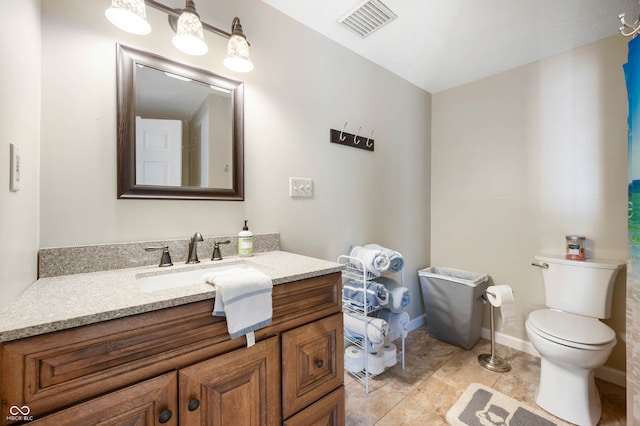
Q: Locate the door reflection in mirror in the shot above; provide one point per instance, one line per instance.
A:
(197, 153)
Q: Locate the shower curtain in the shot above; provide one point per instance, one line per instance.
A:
(632, 75)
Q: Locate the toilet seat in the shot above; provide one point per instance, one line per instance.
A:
(570, 329)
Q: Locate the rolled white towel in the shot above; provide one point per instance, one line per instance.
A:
(396, 261)
(375, 294)
(355, 337)
(399, 296)
(376, 329)
(375, 261)
(398, 322)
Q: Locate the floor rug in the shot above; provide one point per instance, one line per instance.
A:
(482, 406)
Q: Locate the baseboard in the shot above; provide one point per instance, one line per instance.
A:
(417, 322)
(608, 374)
(412, 325)
(611, 375)
(605, 373)
(510, 341)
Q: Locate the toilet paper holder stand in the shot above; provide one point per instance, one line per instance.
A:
(492, 361)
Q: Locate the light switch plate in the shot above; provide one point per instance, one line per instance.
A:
(14, 168)
(300, 187)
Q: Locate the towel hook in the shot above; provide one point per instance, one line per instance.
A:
(627, 29)
(355, 138)
(343, 138)
(368, 139)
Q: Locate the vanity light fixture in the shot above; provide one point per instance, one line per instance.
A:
(189, 36)
(238, 49)
(130, 16)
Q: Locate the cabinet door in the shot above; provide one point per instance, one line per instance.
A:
(146, 404)
(329, 411)
(238, 388)
(312, 363)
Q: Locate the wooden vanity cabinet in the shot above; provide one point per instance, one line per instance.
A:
(178, 366)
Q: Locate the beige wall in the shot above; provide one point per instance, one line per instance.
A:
(20, 125)
(303, 85)
(521, 159)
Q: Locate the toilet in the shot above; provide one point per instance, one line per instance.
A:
(569, 336)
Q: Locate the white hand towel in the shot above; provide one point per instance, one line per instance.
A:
(244, 298)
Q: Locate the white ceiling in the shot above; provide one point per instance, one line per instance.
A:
(439, 44)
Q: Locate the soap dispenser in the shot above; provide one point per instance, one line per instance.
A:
(245, 241)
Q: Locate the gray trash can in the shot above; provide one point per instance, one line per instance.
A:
(453, 304)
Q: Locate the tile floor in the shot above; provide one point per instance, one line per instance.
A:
(437, 373)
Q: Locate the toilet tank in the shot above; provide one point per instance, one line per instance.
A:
(583, 287)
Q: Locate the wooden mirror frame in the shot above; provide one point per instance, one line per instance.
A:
(127, 59)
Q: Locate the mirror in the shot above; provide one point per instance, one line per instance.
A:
(180, 130)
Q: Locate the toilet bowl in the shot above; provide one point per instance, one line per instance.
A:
(567, 386)
(570, 338)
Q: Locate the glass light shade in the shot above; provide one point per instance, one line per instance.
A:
(189, 36)
(238, 54)
(129, 16)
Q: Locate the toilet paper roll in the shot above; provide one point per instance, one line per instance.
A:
(375, 363)
(390, 354)
(353, 359)
(501, 296)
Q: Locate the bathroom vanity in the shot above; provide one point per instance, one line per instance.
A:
(92, 348)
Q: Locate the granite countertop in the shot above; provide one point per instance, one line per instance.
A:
(58, 303)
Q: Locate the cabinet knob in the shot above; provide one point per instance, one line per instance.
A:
(319, 363)
(165, 416)
(193, 404)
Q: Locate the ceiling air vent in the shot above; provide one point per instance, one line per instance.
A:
(368, 17)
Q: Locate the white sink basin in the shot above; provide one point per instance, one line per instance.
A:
(150, 282)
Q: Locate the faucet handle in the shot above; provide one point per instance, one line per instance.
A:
(216, 249)
(165, 260)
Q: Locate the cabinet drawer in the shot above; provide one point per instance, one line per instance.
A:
(146, 403)
(312, 363)
(330, 410)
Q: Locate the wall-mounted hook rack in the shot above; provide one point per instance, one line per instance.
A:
(356, 141)
(629, 29)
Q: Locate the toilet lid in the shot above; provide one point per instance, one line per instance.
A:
(571, 327)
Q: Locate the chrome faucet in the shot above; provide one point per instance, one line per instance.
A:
(193, 248)
(216, 249)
